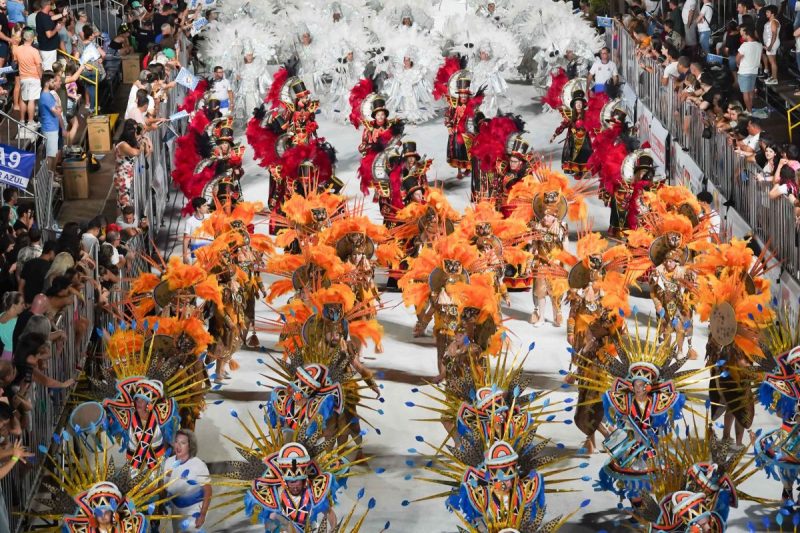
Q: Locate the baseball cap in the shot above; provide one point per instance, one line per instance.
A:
(169, 52)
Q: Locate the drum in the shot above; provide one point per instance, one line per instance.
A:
(623, 447)
(791, 444)
(88, 421)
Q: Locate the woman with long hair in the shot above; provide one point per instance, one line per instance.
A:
(125, 153)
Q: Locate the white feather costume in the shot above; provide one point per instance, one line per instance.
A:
(408, 90)
(344, 65)
(421, 13)
(226, 43)
(492, 52)
(546, 32)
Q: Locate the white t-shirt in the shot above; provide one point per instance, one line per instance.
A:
(689, 5)
(132, 99)
(221, 88)
(136, 114)
(751, 57)
(671, 71)
(705, 23)
(195, 470)
(752, 140)
(192, 225)
(602, 72)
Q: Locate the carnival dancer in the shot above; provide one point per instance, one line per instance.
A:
(497, 458)
(89, 494)
(733, 298)
(453, 82)
(701, 494)
(490, 159)
(288, 481)
(578, 145)
(776, 450)
(642, 401)
(414, 173)
(426, 286)
(253, 84)
(598, 290)
(380, 133)
(520, 165)
(670, 285)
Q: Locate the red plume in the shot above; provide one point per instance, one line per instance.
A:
(190, 100)
(395, 182)
(262, 141)
(557, 82)
(273, 97)
(451, 66)
(187, 151)
(489, 144)
(632, 218)
(357, 95)
(365, 171)
(297, 154)
(591, 119)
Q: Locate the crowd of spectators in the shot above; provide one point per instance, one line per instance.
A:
(716, 64)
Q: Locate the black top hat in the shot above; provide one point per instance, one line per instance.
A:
(462, 86)
(379, 104)
(410, 149)
(578, 94)
(519, 147)
(299, 88)
(225, 134)
(618, 116)
(644, 162)
(409, 186)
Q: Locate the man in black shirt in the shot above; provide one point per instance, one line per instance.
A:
(31, 280)
(47, 27)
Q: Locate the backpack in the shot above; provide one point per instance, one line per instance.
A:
(714, 22)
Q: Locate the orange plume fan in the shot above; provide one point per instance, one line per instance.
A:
(122, 343)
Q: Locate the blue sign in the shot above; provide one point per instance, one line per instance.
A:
(16, 166)
(714, 58)
(605, 22)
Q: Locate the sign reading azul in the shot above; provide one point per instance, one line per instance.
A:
(16, 166)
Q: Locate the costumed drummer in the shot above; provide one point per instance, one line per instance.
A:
(577, 146)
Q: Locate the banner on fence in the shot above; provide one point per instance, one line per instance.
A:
(630, 99)
(651, 131)
(686, 170)
(16, 166)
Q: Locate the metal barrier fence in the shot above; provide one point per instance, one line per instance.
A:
(68, 356)
(78, 320)
(40, 187)
(772, 221)
(106, 15)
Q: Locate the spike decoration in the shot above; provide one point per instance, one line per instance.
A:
(495, 471)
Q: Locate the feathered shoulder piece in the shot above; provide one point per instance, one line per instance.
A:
(191, 100)
(450, 66)
(358, 94)
(273, 97)
(736, 316)
(378, 233)
(553, 96)
(489, 144)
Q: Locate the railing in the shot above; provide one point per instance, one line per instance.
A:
(101, 13)
(40, 187)
(772, 221)
(49, 411)
(95, 82)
